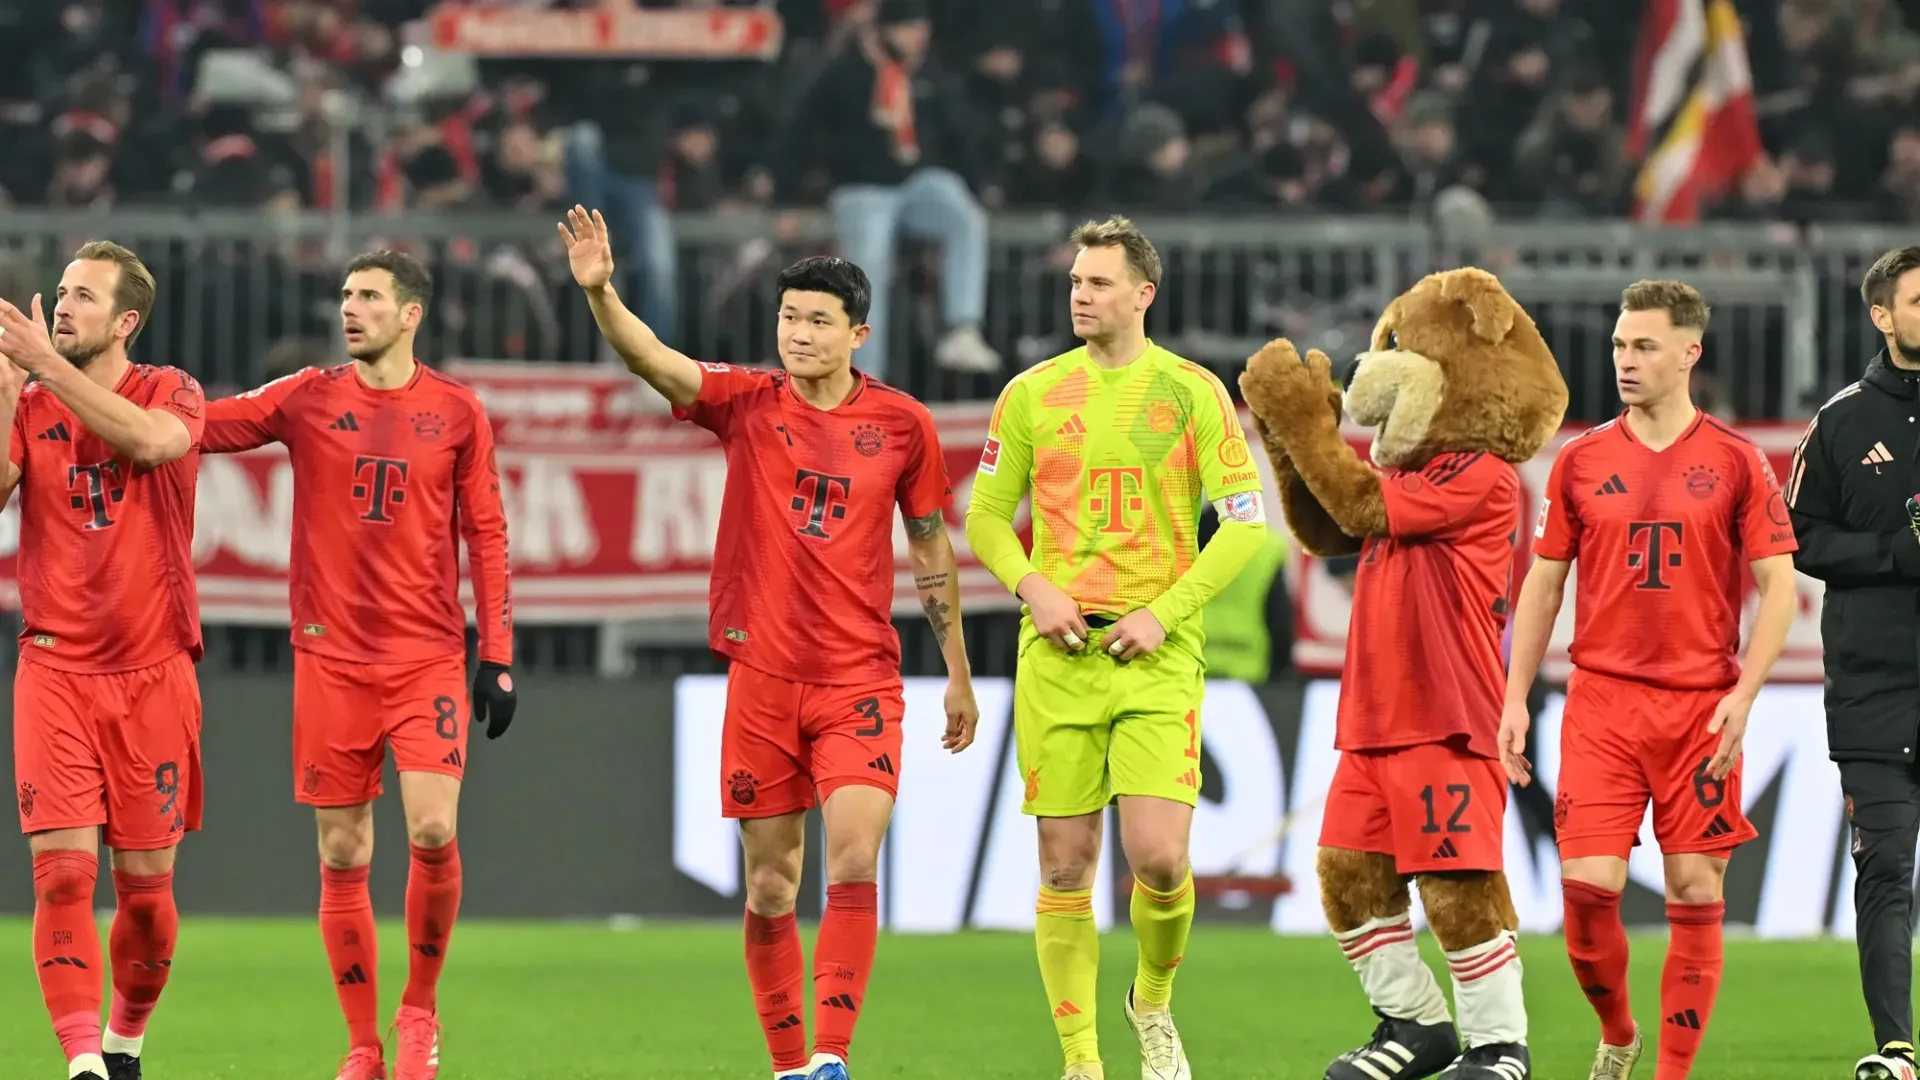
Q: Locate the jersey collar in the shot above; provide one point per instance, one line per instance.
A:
(860, 380)
(1626, 430)
(419, 372)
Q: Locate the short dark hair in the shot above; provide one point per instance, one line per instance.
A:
(134, 291)
(1885, 273)
(412, 283)
(1684, 305)
(835, 277)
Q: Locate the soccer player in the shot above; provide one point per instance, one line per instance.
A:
(818, 457)
(391, 461)
(106, 703)
(1118, 442)
(1664, 508)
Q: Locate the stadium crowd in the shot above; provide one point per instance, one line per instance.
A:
(908, 119)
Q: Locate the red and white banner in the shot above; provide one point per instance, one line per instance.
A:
(627, 32)
(613, 507)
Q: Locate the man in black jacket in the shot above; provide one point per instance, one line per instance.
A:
(1851, 495)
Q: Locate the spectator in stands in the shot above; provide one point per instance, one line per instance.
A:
(1156, 169)
(525, 170)
(1054, 174)
(1430, 160)
(1900, 184)
(1573, 156)
(894, 133)
(613, 163)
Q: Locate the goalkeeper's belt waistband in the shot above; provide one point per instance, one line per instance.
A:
(1101, 622)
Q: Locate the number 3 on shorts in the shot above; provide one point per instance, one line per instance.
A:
(870, 709)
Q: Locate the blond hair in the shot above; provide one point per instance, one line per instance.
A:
(1122, 233)
(134, 291)
(1684, 305)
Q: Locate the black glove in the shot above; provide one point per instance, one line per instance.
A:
(1913, 514)
(493, 698)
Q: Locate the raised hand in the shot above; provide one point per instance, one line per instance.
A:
(24, 339)
(589, 253)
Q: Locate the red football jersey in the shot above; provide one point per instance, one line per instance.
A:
(106, 547)
(1429, 604)
(803, 567)
(1663, 541)
(383, 483)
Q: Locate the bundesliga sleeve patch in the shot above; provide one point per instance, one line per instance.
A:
(1540, 524)
(990, 456)
(1244, 506)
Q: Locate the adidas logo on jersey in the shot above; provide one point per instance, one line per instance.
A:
(1879, 455)
(1073, 426)
(345, 423)
(1613, 486)
(56, 433)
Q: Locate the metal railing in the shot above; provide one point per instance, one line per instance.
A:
(237, 288)
(243, 296)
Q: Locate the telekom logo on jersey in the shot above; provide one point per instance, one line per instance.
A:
(961, 854)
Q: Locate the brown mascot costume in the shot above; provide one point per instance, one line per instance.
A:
(1459, 387)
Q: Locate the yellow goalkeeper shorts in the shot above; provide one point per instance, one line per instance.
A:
(1088, 727)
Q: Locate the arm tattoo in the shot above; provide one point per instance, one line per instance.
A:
(929, 582)
(925, 528)
(937, 615)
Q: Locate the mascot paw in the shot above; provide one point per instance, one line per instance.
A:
(1492, 1061)
(1401, 1049)
(1286, 392)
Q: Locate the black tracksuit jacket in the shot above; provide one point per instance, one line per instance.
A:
(1853, 476)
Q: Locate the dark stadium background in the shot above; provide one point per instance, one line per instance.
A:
(1298, 162)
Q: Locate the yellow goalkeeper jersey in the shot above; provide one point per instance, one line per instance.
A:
(1119, 463)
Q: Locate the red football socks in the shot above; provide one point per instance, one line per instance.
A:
(1688, 984)
(346, 924)
(433, 903)
(66, 946)
(140, 947)
(1597, 946)
(842, 960)
(778, 973)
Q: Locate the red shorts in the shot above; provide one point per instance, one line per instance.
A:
(781, 741)
(120, 750)
(1432, 807)
(1624, 744)
(345, 715)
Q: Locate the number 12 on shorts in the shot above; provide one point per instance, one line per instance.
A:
(1458, 797)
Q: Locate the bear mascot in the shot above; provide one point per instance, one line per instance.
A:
(1459, 388)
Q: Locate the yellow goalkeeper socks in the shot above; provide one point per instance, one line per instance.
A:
(1069, 948)
(1161, 922)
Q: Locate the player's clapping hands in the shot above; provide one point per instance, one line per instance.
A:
(24, 338)
(1056, 616)
(589, 253)
(1136, 634)
(1730, 720)
(963, 716)
(1514, 722)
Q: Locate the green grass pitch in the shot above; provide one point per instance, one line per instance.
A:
(252, 999)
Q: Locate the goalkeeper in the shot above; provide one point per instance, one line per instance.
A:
(1119, 443)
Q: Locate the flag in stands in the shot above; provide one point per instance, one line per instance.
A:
(1693, 127)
